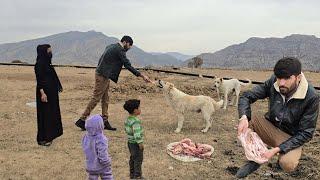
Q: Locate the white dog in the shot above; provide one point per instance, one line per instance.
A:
(183, 103)
(226, 87)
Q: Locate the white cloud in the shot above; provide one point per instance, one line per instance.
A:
(189, 26)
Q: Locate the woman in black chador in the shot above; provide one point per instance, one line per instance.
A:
(48, 87)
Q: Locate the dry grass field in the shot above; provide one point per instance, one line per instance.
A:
(22, 158)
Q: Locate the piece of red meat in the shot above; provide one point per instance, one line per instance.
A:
(253, 146)
(187, 147)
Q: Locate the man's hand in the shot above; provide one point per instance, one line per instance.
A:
(243, 124)
(146, 78)
(141, 147)
(271, 152)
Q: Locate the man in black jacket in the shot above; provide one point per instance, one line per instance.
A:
(291, 118)
(109, 67)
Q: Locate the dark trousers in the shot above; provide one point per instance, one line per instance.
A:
(135, 162)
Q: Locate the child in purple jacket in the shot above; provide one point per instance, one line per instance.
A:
(95, 148)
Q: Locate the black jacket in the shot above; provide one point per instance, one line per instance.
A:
(297, 117)
(111, 62)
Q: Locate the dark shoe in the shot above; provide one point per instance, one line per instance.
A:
(45, 143)
(107, 126)
(247, 169)
(41, 142)
(81, 124)
(275, 167)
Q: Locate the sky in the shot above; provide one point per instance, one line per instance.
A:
(186, 26)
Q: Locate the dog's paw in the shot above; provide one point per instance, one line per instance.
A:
(204, 130)
(177, 130)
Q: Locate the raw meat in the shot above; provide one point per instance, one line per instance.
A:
(188, 148)
(253, 146)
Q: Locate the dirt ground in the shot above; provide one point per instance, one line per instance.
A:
(22, 158)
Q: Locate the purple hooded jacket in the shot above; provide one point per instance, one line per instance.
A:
(95, 146)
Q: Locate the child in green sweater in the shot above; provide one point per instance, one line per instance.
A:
(134, 133)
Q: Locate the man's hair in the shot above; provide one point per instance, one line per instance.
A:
(287, 67)
(131, 105)
(127, 39)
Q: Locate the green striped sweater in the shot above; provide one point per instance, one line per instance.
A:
(134, 130)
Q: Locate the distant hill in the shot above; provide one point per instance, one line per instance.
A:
(262, 53)
(177, 55)
(76, 47)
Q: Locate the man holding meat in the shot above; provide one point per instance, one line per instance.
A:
(291, 118)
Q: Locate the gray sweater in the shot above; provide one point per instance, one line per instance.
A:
(111, 62)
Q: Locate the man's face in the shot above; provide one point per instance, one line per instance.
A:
(127, 46)
(287, 85)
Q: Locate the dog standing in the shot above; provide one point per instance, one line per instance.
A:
(183, 103)
(227, 87)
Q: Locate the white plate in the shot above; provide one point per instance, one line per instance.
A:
(184, 158)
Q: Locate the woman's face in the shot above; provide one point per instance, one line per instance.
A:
(49, 50)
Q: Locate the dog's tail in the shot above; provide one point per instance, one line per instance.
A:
(216, 105)
(249, 83)
(220, 104)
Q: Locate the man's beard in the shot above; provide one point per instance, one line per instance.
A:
(283, 90)
(126, 48)
(288, 91)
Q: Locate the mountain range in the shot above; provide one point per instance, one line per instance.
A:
(84, 48)
(262, 53)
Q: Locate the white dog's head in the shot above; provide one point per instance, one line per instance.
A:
(217, 82)
(165, 85)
